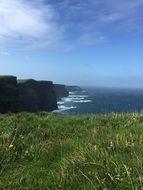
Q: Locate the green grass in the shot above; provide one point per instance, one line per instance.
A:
(86, 152)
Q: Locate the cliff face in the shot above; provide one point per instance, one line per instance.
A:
(73, 88)
(36, 96)
(8, 94)
(31, 95)
(60, 91)
(47, 96)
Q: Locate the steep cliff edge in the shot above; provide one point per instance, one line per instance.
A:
(47, 95)
(31, 95)
(36, 96)
(8, 94)
(60, 91)
(73, 88)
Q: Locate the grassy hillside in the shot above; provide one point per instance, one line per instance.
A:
(42, 151)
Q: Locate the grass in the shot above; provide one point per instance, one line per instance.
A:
(86, 152)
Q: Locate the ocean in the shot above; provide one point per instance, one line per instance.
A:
(102, 100)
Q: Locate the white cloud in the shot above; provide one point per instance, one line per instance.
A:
(122, 10)
(54, 24)
(103, 16)
(93, 21)
(25, 23)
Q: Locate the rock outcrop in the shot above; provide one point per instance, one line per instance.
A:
(8, 94)
(73, 88)
(31, 95)
(60, 91)
(36, 96)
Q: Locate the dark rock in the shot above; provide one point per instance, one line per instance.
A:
(47, 95)
(36, 96)
(60, 91)
(73, 88)
(8, 94)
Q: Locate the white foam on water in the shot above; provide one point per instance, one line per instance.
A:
(64, 108)
(72, 98)
(60, 102)
(67, 99)
(72, 93)
(77, 96)
(82, 101)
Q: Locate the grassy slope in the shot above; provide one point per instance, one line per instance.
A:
(42, 151)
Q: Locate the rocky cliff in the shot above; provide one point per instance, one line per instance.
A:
(60, 91)
(8, 94)
(36, 96)
(31, 95)
(47, 95)
(73, 88)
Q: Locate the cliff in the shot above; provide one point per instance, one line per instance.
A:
(8, 94)
(47, 96)
(73, 88)
(60, 91)
(31, 95)
(36, 96)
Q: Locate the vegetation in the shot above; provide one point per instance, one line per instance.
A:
(86, 152)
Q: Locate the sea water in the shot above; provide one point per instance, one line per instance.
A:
(102, 100)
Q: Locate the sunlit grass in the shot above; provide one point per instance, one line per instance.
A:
(85, 152)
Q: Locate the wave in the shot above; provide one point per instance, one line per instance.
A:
(70, 102)
(64, 108)
(72, 99)
(82, 101)
(77, 96)
(60, 102)
(67, 99)
(70, 93)
(75, 99)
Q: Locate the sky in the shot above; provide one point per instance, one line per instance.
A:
(82, 42)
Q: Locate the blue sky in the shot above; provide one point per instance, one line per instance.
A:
(84, 42)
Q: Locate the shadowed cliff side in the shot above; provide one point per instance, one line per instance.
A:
(8, 94)
(73, 88)
(47, 95)
(36, 96)
(60, 91)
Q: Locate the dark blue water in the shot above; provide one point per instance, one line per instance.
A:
(102, 100)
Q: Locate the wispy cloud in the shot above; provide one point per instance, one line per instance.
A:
(55, 24)
(123, 10)
(99, 16)
(24, 23)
